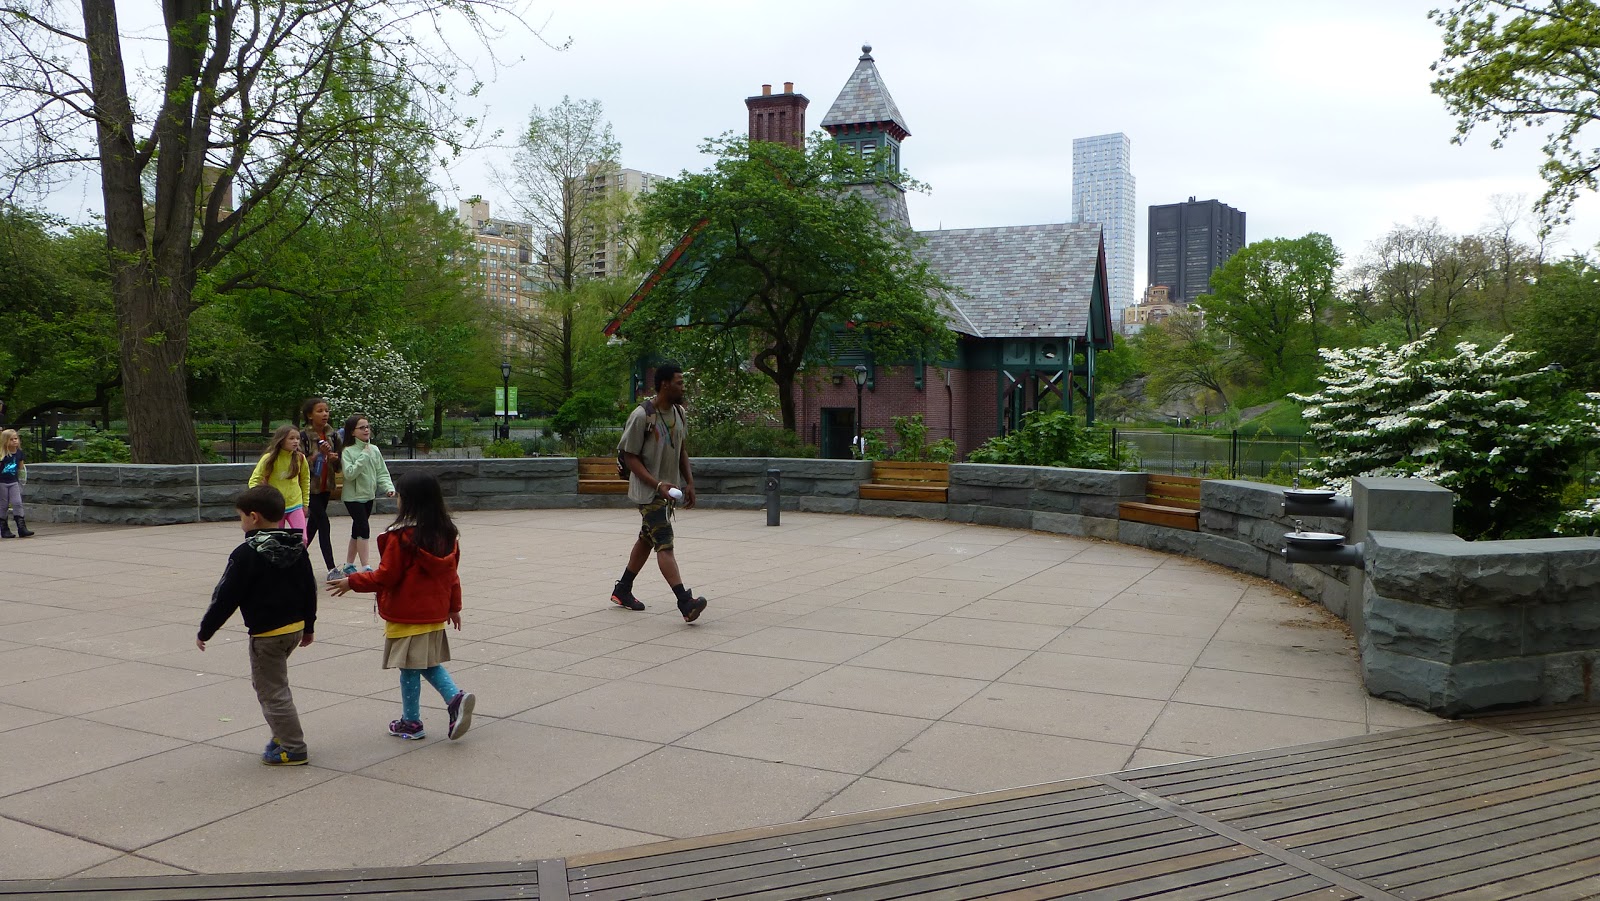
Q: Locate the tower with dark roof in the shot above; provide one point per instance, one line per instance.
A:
(864, 119)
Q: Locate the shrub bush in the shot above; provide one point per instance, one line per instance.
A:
(1488, 425)
(1048, 439)
(98, 447)
(732, 438)
(502, 447)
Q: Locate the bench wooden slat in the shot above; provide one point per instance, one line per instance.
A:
(903, 493)
(893, 480)
(598, 475)
(1157, 515)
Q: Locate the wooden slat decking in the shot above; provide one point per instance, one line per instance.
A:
(1501, 807)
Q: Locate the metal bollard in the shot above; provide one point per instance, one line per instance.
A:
(774, 485)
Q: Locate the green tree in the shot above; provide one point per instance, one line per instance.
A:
(1562, 320)
(782, 250)
(359, 253)
(1273, 298)
(57, 329)
(563, 180)
(1182, 358)
(184, 173)
(1514, 64)
(1419, 277)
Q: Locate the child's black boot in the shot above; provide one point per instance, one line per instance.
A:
(5, 529)
(22, 528)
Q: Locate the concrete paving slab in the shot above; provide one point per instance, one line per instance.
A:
(63, 748)
(639, 709)
(735, 673)
(1127, 646)
(884, 661)
(535, 835)
(1101, 675)
(510, 762)
(157, 797)
(1218, 731)
(876, 794)
(942, 658)
(1055, 711)
(811, 735)
(130, 865)
(697, 792)
(967, 758)
(920, 695)
(311, 829)
(28, 852)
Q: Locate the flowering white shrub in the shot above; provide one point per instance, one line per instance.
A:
(1487, 424)
(379, 381)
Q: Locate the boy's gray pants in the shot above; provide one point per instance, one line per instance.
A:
(269, 673)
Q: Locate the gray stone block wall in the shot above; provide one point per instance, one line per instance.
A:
(1456, 626)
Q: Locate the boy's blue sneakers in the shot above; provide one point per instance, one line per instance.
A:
(275, 755)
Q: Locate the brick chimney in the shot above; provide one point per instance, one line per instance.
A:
(779, 118)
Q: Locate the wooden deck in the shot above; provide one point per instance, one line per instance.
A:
(1499, 807)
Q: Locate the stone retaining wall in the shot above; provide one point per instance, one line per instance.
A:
(1456, 626)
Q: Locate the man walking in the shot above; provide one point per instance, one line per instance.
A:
(657, 457)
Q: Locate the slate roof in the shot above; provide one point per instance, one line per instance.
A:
(1018, 281)
(864, 99)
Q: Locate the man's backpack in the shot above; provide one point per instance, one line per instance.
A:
(649, 407)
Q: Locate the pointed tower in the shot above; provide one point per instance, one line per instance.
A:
(865, 119)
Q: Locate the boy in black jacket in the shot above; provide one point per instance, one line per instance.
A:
(269, 580)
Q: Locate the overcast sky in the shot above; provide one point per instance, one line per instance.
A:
(1309, 117)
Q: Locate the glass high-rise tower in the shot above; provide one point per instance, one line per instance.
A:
(1103, 192)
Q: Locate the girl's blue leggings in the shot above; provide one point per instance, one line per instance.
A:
(411, 689)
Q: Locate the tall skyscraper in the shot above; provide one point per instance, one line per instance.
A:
(1188, 241)
(1103, 192)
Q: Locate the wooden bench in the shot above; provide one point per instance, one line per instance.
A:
(598, 475)
(1171, 501)
(894, 481)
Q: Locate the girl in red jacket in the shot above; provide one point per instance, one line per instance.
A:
(418, 592)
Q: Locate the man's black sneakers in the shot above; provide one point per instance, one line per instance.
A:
(691, 609)
(623, 597)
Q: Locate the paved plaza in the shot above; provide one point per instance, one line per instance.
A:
(845, 664)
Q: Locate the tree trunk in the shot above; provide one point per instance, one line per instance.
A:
(438, 418)
(785, 382)
(154, 338)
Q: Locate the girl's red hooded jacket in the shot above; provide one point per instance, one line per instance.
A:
(413, 586)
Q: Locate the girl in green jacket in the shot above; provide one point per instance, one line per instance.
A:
(365, 474)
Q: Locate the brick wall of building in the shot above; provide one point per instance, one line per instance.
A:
(963, 410)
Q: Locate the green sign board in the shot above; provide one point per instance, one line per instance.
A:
(500, 401)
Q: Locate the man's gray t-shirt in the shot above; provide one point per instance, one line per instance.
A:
(658, 440)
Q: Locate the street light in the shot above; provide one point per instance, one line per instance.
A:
(505, 374)
(861, 432)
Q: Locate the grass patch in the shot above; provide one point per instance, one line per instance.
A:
(1282, 419)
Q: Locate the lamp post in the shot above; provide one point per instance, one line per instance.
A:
(505, 374)
(861, 432)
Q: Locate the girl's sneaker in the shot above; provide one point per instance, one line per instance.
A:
(335, 574)
(348, 569)
(366, 569)
(460, 708)
(409, 729)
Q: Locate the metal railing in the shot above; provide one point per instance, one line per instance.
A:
(1231, 455)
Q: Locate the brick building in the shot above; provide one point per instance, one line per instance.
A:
(1030, 311)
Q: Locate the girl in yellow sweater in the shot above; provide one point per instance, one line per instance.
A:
(284, 467)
